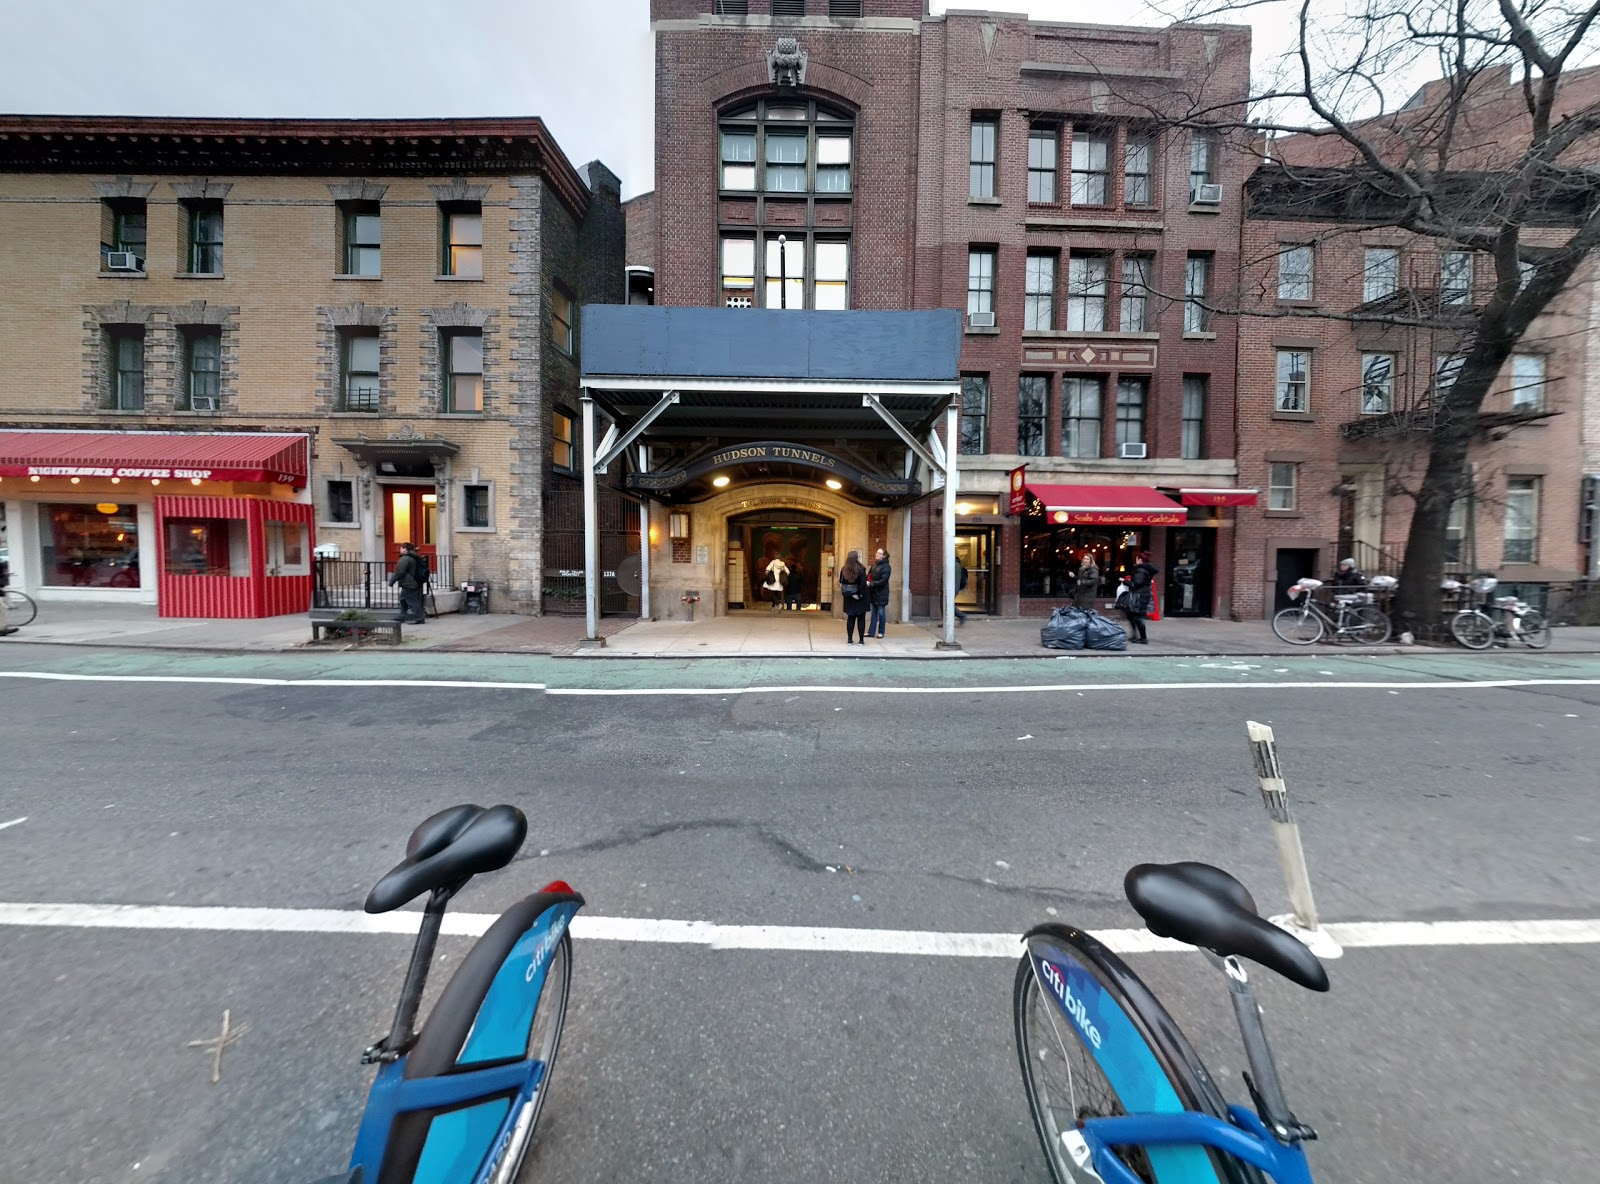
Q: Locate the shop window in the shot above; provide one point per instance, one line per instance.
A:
(563, 455)
(464, 371)
(288, 549)
(341, 503)
(89, 545)
(975, 413)
(462, 256)
(1042, 165)
(1033, 398)
(361, 234)
(207, 547)
(1053, 555)
(204, 252)
(477, 507)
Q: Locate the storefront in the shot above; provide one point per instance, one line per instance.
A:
(99, 516)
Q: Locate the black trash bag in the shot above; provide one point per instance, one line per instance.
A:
(1101, 634)
(1065, 630)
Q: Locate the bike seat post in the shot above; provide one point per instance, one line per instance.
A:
(405, 1016)
(1253, 1034)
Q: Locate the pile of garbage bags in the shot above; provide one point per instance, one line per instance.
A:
(1079, 629)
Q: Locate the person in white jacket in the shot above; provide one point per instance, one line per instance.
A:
(777, 573)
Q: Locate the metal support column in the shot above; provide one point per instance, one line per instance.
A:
(905, 548)
(952, 425)
(591, 524)
(644, 540)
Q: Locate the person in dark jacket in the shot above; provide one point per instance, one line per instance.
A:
(408, 578)
(1140, 597)
(794, 591)
(878, 586)
(853, 592)
(1349, 575)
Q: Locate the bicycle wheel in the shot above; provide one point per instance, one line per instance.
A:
(544, 1041)
(1298, 625)
(20, 608)
(1369, 625)
(1472, 629)
(1533, 629)
(1096, 1044)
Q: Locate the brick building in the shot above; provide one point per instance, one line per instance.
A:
(861, 154)
(331, 334)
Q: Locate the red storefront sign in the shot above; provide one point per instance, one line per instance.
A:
(1108, 505)
(1218, 497)
(270, 458)
(1019, 492)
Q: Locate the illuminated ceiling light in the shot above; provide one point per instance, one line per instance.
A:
(155, 480)
(33, 478)
(114, 480)
(107, 507)
(963, 507)
(430, 499)
(719, 482)
(75, 480)
(194, 480)
(833, 484)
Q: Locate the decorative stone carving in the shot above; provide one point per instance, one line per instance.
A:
(124, 187)
(459, 190)
(200, 189)
(357, 190)
(787, 63)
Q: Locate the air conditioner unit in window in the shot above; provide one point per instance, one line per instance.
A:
(1207, 195)
(980, 320)
(203, 403)
(123, 261)
(1131, 451)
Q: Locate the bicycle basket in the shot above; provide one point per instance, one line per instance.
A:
(1383, 583)
(1484, 584)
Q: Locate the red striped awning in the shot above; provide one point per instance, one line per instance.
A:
(274, 458)
(1107, 505)
(1218, 497)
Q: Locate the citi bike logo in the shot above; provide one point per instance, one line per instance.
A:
(1070, 1003)
(542, 953)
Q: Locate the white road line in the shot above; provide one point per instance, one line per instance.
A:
(1349, 934)
(13, 822)
(275, 682)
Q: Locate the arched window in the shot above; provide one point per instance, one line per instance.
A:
(785, 181)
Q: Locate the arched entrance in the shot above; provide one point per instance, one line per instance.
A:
(804, 540)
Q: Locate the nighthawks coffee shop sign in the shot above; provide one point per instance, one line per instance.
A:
(670, 480)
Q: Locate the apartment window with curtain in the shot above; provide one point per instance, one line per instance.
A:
(1522, 520)
(1455, 277)
(980, 280)
(1380, 274)
(1294, 383)
(1283, 486)
(1202, 161)
(1527, 381)
(1377, 384)
(361, 228)
(1080, 416)
(359, 362)
(1033, 399)
(125, 350)
(1294, 273)
(1132, 394)
(1194, 416)
(980, 177)
(1091, 168)
(1138, 171)
(202, 369)
(205, 237)
(1086, 292)
(463, 371)
(974, 414)
(1040, 309)
(1136, 293)
(1196, 288)
(1042, 165)
(463, 239)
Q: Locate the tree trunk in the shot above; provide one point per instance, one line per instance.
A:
(1419, 604)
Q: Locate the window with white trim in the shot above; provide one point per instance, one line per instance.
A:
(1380, 274)
(476, 502)
(1294, 380)
(1042, 148)
(1527, 381)
(1522, 520)
(1294, 272)
(1039, 311)
(1091, 169)
(1377, 384)
(1087, 280)
(1283, 485)
(1081, 400)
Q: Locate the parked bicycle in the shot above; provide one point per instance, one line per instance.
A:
(1118, 1095)
(457, 1100)
(1497, 620)
(20, 608)
(1355, 615)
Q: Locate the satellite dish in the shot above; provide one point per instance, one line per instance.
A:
(628, 575)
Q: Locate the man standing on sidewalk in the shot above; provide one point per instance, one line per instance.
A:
(408, 577)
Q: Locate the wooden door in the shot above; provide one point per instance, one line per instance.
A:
(410, 515)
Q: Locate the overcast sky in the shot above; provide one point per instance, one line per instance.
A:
(585, 66)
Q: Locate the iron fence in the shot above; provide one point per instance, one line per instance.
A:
(364, 583)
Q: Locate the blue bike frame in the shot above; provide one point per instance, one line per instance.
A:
(1246, 1137)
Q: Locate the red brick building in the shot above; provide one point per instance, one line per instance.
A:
(860, 154)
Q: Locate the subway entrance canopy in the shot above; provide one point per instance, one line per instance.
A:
(763, 395)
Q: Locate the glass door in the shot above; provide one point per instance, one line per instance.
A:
(410, 515)
(975, 550)
(1191, 571)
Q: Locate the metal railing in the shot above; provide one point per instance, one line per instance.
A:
(364, 583)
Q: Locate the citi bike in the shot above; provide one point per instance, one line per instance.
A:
(1117, 1093)
(455, 1102)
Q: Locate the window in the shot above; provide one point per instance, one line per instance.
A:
(359, 352)
(1086, 293)
(122, 227)
(974, 413)
(1033, 397)
(738, 272)
(202, 369)
(1040, 312)
(738, 159)
(1080, 416)
(1455, 277)
(1196, 286)
(341, 508)
(463, 371)
(126, 349)
(786, 271)
(363, 238)
(980, 280)
(463, 240)
(832, 288)
(1138, 165)
(785, 146)
(1202, 161)
(1131, 397)
(1194, 416)
(1282, 486)
(1380, 277)
(1377, 384)
(980, 177)
(563, 455)
(89, 546)
(205, 237)
(1135, 293)
(1522, 520)
(475, 512)
(833, 163)
(1091, 169)
(1445, 369)
(1455, 531)
(786, 162)
(563, 319)
(1294, 273)
(1294, 387)
(1042, 164)
(1527, 381)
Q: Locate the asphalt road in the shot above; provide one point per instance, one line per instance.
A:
(966, 813)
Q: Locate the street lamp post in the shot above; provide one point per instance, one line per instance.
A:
(783, 271)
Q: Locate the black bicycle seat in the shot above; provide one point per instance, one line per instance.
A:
(1206, 907)
(450, 848)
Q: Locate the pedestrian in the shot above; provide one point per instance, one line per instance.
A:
(1349, 575)
(777, 573)
(961, 586)
(6, 627)
(408, 577)
(1140, 597)
(1088, 585)
(878, 589)
(853, 591)
(794, 591)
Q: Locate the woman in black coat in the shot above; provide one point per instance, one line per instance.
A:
(853, 592)
(878, 584)
(1140, 597)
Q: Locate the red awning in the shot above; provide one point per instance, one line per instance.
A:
(1107, 505)
(276, 458)
(1218, 497)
